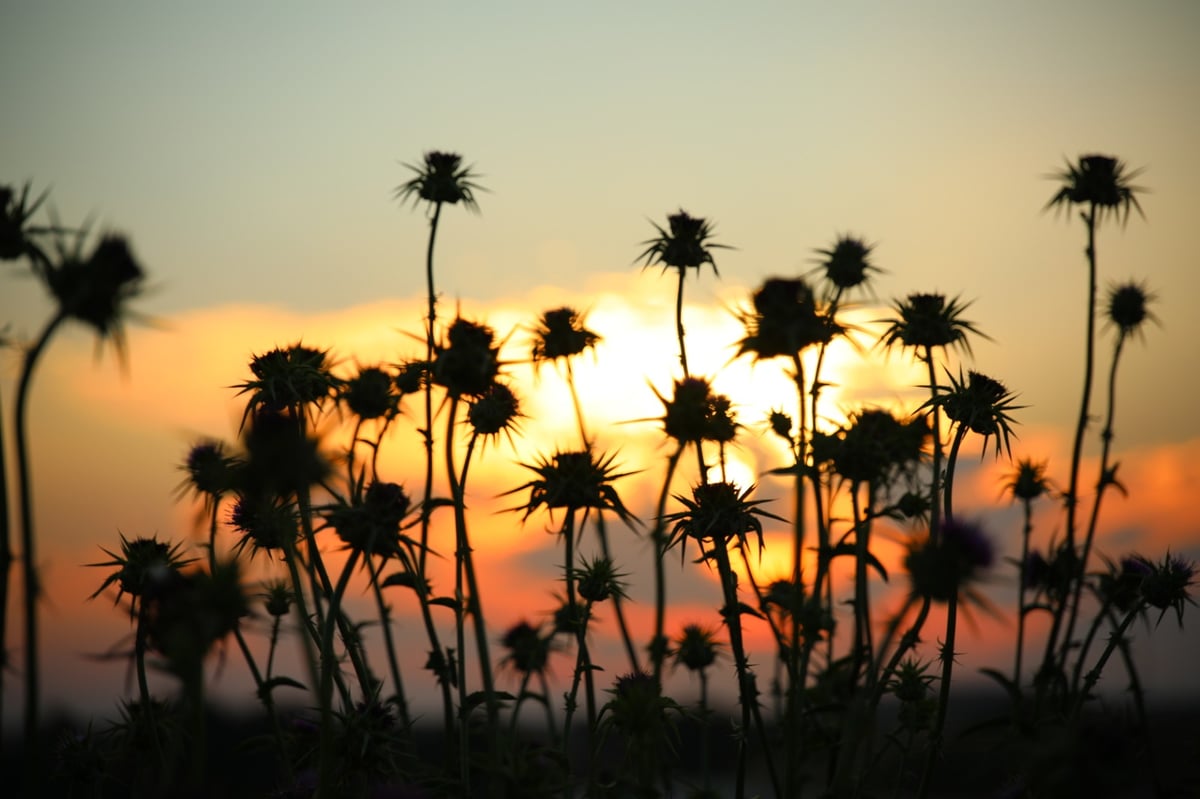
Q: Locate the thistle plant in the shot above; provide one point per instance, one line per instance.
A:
(1100, 185)
(307, 474)
(684, 244)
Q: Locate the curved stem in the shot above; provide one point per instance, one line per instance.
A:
(1105, 480)
(32, 586)
(1089, 219)
(385, 620)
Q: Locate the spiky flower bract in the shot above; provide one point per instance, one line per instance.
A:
(943, 567)
(598, 579)
(696, 648)
(1166, 587)
(929, 321)
(372, 525)
(696, 413)
(495, 411)
(17, 237)
(785, 320)
(1127, 307)
(467, 362)
(980, 404)
(1028, 480)
(528, 648)
(1100, 181)
(371, 394)
(560, 334)
(846, 264)
(145, 565)
(716, 514)
(266, 523)
(576, 480)
(685, 244)
(876, 443)
(211, 471)
(289, 378)
(441, 178)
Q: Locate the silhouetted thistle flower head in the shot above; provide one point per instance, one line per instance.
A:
(913, 505)
(980, 404)
(638, 709)
(441, 178)
(267, 523)
(17, 236)
(193, 613)
(560, 334)
(277, 598)
(144, 567)
(598, 580)
(495, 411)
(847, 264)
(686, 243)
(281, 458)
(929, 321)
(1127, 308)
(411, 376)
(717, 514)
(372, 525)
(1166, 587)
(467, 362)
(211, 472)
(371, 394)
(288, 378)
(876, 443)
(785, 320)
(696, 413)
(696, 648)
(943, 567)
(528, 648)
(96, 290)
(1121, 584)
(1099, 181)
(1028, 480)
(575, 480)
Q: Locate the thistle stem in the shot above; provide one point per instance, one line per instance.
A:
(32, 585)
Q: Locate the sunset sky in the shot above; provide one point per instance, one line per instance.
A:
(250, 151)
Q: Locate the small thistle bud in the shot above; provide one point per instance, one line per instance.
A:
(467, 363)
(267, 523)
(599, 580)
(410, 377)
(696, 648)
(289, 378)
(847, 264)
(940, 568)
(1128, 307)
(210, 471)
(278, 599)
(495, 411)
(781, 425)
(560, 334)
(913, 505)
(1166, 587)
(695, 413)
(1028, 481)
(784, 321)
(370, 394)
(441, 178)
(528, 649)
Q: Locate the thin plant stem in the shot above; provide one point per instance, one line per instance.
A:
(32, 585)
(385, 620)
(937, 736)
(1089, 219)
(683, 362)
(1022, 586)
(474, 605)
(747, 691)
(6, 560)
(659, 540)
(1105, 480)
(1093, 676)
